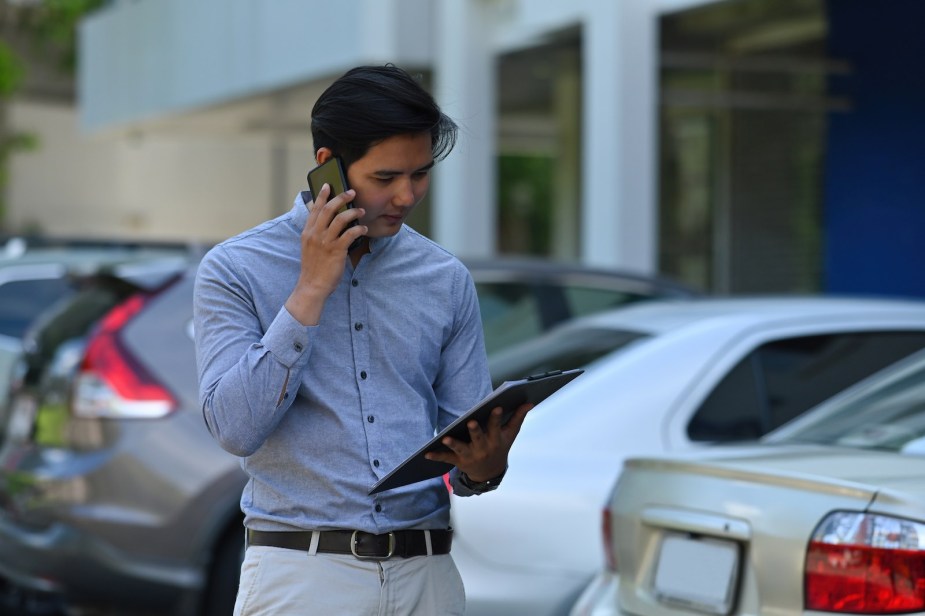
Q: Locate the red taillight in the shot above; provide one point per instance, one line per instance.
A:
(866, 564)
(110, 382)
(610, 556)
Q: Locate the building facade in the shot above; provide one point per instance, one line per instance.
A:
(737, 145)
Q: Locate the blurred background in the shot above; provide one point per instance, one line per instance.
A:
(737, 146)
(624, 165)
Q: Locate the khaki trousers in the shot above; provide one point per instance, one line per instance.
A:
(277, 582)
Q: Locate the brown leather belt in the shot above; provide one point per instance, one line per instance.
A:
(362, 545)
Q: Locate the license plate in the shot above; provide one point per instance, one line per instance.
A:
(697, 573)
(22, 418)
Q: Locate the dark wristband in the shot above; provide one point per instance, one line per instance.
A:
(480, 487)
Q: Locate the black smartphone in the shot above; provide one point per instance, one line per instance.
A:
(331, 172)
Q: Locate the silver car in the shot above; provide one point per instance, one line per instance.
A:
(827, 514)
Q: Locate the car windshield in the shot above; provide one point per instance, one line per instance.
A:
(887, 412)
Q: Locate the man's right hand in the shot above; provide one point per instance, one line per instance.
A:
(324, 243)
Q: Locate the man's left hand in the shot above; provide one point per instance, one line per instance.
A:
(485, 457)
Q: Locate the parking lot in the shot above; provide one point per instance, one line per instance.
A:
(115, 496)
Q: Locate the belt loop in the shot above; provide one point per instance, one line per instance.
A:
(313, 545)
(427, 542)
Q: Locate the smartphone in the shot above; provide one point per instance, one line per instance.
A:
(331, 172)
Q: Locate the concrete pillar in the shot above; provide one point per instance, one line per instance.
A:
(620, 205)
(463, 193)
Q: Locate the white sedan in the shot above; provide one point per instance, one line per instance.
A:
(826, 515)
(660, 377)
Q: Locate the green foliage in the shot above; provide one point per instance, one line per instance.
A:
(525, 204)
(50, 27)
(52, 24)
(11, 71)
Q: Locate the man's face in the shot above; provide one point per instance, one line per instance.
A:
(390, 180)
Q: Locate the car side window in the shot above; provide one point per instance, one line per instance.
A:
(782, 379)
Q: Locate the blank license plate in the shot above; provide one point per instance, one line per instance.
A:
(699, 574)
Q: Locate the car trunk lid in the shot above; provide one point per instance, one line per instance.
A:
(695, 533)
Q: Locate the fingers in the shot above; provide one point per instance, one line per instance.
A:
(325, 206)
(512, 427)
(494, 430)
(488, 446)
(329, 224)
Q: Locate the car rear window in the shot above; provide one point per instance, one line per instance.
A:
(562, 349)
(22, 300)
(72, 319)
(887, 413)
(782, 379)
(516, 311)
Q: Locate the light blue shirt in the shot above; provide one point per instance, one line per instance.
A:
(318, 414)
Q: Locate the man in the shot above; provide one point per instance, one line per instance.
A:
(323, 368)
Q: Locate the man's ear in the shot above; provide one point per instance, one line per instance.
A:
(323, 155)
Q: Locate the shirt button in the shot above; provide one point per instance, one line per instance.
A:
(358, 326)
(376, 463)
(355, 282)
(370, 419)
(363, 374)
(297, 346)
(378, 508)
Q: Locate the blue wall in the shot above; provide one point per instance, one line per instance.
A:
(874, 212)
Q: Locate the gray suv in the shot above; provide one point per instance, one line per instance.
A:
(114, 496)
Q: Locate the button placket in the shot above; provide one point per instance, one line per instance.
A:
(360, 341)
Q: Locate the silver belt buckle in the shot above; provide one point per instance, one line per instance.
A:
(353, 548)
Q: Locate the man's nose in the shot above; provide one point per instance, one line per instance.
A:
(404, 192)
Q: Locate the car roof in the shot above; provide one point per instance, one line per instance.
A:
(22, 262)
(670, 314)
(535, 269)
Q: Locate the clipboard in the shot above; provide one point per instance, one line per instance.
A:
(509, 395)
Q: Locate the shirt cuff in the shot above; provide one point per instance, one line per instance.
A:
(286, 338)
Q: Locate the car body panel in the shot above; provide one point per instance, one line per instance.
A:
(780, 496)
(636, 401)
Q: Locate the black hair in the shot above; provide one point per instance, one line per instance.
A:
(369, 104)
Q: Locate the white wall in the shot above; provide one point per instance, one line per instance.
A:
(141, 186)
